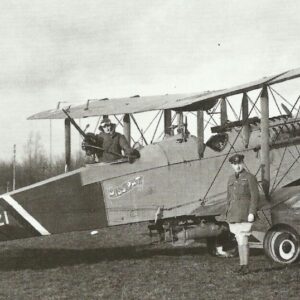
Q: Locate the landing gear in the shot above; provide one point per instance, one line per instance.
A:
(282, 244)
(184, 231)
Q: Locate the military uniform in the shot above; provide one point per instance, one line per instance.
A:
(242, 197)
(242, 201)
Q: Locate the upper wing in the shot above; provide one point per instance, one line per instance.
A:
(192, 104)
(185, 102)
(114, 106)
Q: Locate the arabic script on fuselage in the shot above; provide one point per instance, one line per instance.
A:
(114, 192)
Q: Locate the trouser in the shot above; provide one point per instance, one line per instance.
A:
(242, 232)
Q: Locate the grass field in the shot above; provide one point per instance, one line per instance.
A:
(120, 263)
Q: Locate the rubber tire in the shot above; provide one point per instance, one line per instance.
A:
(282, 245)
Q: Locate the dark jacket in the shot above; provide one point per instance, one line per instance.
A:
(242, 197)
(112, 143)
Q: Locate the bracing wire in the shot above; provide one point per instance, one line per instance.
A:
(232, 147)
(120, 123)
(288, 170)
(257, 110)
(119, 120)
(281, 160)
(276, 137)
(138, 128)
(298, 109)
(211, 114)
(195, 115)
(296, 104)
(275, 101)
(281, 96)
(162, 112)
(282, 157)
(227, 154)
(147, 126)
(151, 122)
(234, 112)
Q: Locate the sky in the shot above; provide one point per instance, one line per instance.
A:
(73, 50)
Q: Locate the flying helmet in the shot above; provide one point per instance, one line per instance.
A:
(106, 122)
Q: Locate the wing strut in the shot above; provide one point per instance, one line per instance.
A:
(67, 145)
(167, 121)
(265, 148)
(127, 128)
(246, 127)
(200, 132)
(224, 116)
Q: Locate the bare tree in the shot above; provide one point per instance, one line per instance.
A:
(35, 165)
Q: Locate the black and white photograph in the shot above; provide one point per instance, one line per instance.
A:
(150, 149)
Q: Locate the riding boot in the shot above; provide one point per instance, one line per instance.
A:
(241, 267)
(241, 255)
(246, 254)
(244, 257)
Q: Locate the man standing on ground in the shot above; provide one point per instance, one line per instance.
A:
(242, 201)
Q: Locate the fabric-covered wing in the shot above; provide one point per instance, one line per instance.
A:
(191, 104)
(184, 102)
(98, 107)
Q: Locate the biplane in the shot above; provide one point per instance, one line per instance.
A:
(179, 183)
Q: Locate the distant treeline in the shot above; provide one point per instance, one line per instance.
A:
(34, 166)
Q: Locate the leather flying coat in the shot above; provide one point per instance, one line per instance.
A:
(112, 143)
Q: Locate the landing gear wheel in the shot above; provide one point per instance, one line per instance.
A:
(282, 245)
